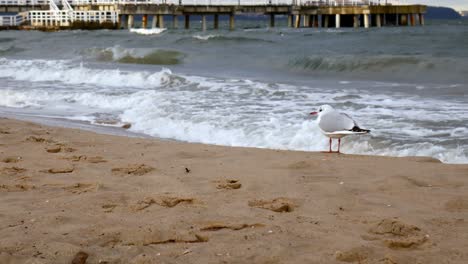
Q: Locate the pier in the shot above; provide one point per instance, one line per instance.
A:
(167, 13)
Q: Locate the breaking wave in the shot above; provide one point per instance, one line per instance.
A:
(135, 56)
(361, 63)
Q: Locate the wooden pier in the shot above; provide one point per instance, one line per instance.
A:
(298, 15)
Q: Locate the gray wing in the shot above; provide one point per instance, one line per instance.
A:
(336, 121)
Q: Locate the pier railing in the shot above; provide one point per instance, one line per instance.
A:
(65, 17)
(11, 20)
(210, 2)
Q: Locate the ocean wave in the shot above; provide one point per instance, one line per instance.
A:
(75, 73)
(135, 56)
(10, 49)
(361, 63)
(222, 38)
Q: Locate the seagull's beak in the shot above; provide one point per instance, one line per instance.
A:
(313, 113)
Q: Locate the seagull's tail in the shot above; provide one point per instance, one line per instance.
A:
(358, 129)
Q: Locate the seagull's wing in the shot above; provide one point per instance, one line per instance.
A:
(336, 121)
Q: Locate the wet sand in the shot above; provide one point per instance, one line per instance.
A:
(71, 195)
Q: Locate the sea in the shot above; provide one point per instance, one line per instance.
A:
(251, 87)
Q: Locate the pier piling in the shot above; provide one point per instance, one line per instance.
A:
(337, 20)
(231, 22)
(272, 20)
(161, 21)
(144, 21)
(175, 22)
(130, 21)
(187, 21)
(216, 21)
(154, 22)
(366, 20)
(297, 21)
(203, 21)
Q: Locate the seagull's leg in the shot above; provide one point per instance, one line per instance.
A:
(339, 143)
(330, 145)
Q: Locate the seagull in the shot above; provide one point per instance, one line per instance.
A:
(334, 124)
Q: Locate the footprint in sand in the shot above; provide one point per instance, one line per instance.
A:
(359, 254)
(137, 170)
(39, 139)
(12, 171)
(95, 159)
(458, 204)
(235, 227)
(396, 234)
(62, 170)
(4, 131)
(165, 201)
(229, 184)
(108, 208)
(11, 159)
(156, 236)
(79, 188)
(276, 205)
(59, 148)
(17, 187)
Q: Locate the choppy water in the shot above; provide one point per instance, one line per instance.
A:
(251, 87)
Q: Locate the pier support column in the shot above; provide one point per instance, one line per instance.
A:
(305, 20)
(397, 20)
(412, 20)
(216, 21)
(154, 22)
(310, 20)
(175, 22)
(366, 20)
(421, 19)
(378, 20)
(356, 21)
(297, 21)
(231, 22)
(290, 20)
(337, 20)
(130, 21)
(203, 22)
(144, 21)
(403, 20)
(160, 21)
(316, 21)
(123, 21)
(272, 20)
(187, 21)
(325, 22)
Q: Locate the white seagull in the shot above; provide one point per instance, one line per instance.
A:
(334, 124)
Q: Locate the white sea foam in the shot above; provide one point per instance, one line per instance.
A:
(233, 112)
(146, 31)
(205, 37)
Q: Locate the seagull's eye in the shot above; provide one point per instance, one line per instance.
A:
(320, 110)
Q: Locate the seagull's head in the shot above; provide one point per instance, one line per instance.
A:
(322, 109)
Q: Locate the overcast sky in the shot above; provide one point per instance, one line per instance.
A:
(457, 4)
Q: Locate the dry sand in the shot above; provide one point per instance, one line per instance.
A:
(69, 195)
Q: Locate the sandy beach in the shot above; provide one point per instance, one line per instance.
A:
(69, 195)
